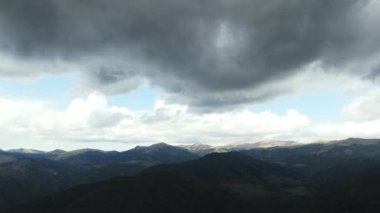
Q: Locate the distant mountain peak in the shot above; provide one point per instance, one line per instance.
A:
(197, 146)
(26, 151)
(86, 150)
(162, 152)
(356, 141)
(57, 151)
(259, 144)
(156, 145)
(160, 145)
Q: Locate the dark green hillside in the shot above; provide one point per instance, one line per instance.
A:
(98, 165)
(229, 182)
(310, 159)
(22, 179)
(29, 175)
(340, 176)
(161, 152)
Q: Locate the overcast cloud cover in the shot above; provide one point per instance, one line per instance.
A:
(209, 56)
(202, 53)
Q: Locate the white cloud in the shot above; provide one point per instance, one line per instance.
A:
(92, 119)
(363, 115)
(361, 119)
(364, 108)
(20, 115)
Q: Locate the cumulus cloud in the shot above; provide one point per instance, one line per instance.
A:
(92, 119)
(205, 54)
(20, 116)
(364, 108)
(361, 118)
(346, 129)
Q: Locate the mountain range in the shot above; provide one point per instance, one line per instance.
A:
(203, 149)
(335, 176)
(25, 175)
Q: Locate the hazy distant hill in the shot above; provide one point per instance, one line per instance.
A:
(312, 158)
(203, 149)
(26, 151)
(156, 153)
(355, 141)
(260, 144)
(161, 152)
(199, 149)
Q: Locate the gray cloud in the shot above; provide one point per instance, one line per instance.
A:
(374, 74)
(112, 79)
(203, 53)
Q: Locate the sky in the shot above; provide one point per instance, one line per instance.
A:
(113, 74)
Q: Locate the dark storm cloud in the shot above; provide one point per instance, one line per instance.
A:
(205, 53)
(109, 75)
(374, 74)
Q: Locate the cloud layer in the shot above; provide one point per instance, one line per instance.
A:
(206, 54)
(91, 119)
(364, 108)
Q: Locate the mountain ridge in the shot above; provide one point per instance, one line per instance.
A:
(31, 175)
(218, 182)
(171, 188)
(219, 148)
